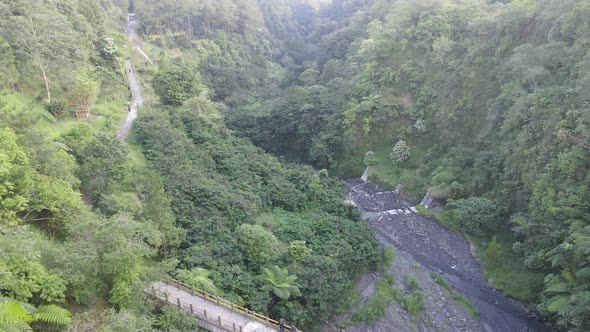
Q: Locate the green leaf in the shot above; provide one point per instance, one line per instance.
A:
(12, 313)
(583, 272)
(53, 314)
(559, 287)
(558, 304)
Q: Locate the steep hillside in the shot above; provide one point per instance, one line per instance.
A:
(255, 110)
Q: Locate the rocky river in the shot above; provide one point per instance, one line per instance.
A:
(423, 246)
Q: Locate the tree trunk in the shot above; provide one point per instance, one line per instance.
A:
(44, 78)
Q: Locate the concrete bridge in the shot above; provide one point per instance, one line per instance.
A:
(212, 312)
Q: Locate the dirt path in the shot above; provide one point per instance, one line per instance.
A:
(135, 40)
(439, 250)
(134, 86)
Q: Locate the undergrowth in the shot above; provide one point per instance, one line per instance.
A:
(386, 292)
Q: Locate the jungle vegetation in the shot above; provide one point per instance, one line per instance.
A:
(231, 180)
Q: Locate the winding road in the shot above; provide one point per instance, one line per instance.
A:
(439, 250)
(134, 84)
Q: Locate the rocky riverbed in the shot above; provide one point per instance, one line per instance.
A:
(423, 247)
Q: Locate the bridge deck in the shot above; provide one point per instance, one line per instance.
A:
(220, 316)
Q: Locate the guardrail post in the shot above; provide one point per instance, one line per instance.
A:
(219, 320)
(205, 312)
(234, 327)
(178, 301)
(191, 305)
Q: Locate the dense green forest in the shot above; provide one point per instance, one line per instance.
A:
(484, 104)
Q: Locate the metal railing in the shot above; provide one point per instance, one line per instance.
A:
(202, 313)
(198, 312)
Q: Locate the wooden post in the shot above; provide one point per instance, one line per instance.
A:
(234, 327)
(192, 311)
(240, 328)
(205, 311)
(232, 306)
(219, 320)
(217, 300)
(178, 301)
(178, 283)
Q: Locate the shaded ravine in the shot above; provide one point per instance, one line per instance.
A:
(134, 85)
(440, 250)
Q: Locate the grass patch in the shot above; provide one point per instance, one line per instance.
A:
(18, 103)
(506, 270)
(503, 265)
(456, 296)
(385, 293)
(445, 217)
(136, 159)
(374, 309)
(413, 302)
(388, 257)
(388, 176)
(104, 117)
(385, 173)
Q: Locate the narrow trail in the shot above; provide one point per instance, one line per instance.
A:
(134, 84)
(439, 250)
(135, 40)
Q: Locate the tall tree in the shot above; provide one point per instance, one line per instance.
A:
(47, 38)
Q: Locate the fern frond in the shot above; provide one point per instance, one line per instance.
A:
(12, 313)
(28, 307)
(558, 304)
(53, 314)
(558, 287)
(23, 327)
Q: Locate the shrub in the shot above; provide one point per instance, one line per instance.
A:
(400, 152)
(57, 108)
(175, 84)
(477, 215)
(420, 126)
(370, 158)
